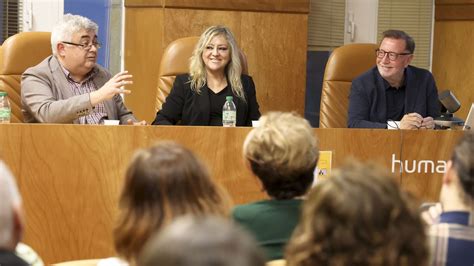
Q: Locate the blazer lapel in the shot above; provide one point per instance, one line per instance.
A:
(60, 79)
(381, 98)
(203, 105)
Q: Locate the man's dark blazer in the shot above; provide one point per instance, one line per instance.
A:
(367, 102)
(186, 107)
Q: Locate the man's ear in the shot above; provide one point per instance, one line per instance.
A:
(60, 48)
(449, 174)
(409, 59)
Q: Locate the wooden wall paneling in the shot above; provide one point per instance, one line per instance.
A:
(177, 22)
(434, 146)
(143, 50)
(453, 59)
(144, 3)
(275, 45)
(287, 6)
(455, 12)
(453, 2)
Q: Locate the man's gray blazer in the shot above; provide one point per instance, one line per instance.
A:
(46, 96)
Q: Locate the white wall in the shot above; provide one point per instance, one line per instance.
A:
(363, 15)
(41, 15)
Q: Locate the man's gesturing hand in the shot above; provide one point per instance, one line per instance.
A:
(111, 88)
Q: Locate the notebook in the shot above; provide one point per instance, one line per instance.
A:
(469, 124)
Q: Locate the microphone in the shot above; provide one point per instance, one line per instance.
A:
(449, 101)
(450, 105)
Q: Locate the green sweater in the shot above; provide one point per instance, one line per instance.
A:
(271, 222)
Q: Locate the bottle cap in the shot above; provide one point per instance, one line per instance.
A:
(229, 98)
(4, 93)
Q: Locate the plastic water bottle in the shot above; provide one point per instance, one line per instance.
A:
(5, 110)
(229, 112)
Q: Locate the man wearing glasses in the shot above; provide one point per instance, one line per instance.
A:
(69, 87)
(394, 94)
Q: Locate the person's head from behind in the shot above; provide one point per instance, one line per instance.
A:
(216, 53)
(282, 152)
(202, 241)
(11, 222)
(74, 42)
(163, 182)
(358, 216)
(458, 181)
(395, 53)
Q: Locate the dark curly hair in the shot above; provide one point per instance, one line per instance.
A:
(358, 216)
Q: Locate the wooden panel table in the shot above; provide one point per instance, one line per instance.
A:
(70, 176)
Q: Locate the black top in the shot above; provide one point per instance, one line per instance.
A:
(8, 258)
(217, 101)
(186, 107)
(395, 98)
(368, 102)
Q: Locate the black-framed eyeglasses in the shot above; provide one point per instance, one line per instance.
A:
(87, 46)
(392, 56)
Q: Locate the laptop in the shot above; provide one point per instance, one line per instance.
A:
(469, 124)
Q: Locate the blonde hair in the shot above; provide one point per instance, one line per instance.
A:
(283, 152)
(233, 69)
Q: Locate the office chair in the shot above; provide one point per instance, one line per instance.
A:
(19, 52)
(345, 63)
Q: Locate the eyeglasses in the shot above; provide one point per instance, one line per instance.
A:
(392, 56)
(84, 46)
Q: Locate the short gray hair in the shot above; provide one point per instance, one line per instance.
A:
(9, 197)
(69, 25)
(202, 241)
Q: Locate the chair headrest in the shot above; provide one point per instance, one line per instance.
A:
(177, 55)
(349, 61)
(24, 50)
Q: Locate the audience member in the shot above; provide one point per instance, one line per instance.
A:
(162, 183)
(451, 234)
(11, 219)
(215, 72)
(202, 241)
(69, 86)
(282, 152)
(358, 216)
(394, 90)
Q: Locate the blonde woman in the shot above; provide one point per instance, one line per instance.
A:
(197, 98)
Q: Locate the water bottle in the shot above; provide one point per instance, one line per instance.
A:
(229, 112)
(5, 110)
